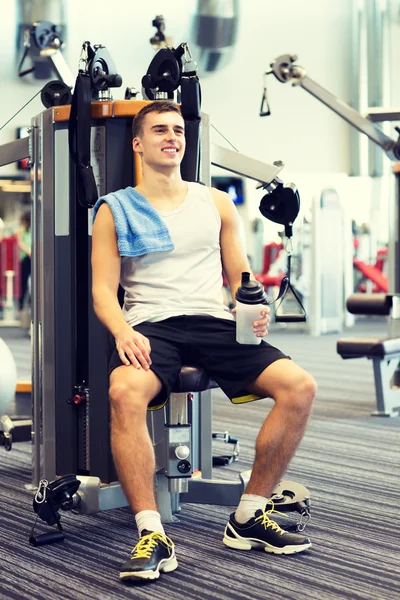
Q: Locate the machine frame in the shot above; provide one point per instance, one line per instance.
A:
(70, 347)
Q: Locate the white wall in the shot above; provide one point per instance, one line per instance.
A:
(303, 133)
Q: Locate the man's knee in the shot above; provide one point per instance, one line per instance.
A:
(289, 385)
(299, 393)
(306, 388)
(130, 395)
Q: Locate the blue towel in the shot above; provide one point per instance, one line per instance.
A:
(140, 229)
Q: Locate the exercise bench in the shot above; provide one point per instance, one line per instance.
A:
(384, 352)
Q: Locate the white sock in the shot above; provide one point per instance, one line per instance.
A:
(150, 520)
(248, 505)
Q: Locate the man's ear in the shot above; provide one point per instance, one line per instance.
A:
(136, 145)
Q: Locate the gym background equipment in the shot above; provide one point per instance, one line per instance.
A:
(384, 352)
(285, 69)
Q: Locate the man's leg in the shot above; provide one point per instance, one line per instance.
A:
(293, 391)
(131, 390)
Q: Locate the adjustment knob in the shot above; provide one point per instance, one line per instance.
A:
(184, 467)
(182, 452)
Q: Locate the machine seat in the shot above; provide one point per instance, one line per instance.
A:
(368, 347)
(193, 379)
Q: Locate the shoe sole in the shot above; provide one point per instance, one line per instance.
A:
(247, 544)
(165, 566)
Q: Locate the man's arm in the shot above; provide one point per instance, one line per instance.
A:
(133, 347)
(106, 267)
(233, 251)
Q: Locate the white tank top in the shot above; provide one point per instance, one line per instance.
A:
(186, 280)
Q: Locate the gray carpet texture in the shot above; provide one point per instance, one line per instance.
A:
(348, 460)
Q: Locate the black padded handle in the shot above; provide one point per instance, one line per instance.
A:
(290, 318)
(369, 304)
(47, 538)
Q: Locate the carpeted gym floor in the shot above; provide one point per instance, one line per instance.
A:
(348, 460)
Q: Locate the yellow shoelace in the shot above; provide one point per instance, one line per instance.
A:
(147, 543)
(267, 522)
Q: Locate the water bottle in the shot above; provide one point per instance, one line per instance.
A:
(250, 299)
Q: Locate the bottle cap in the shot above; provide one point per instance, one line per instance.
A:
(250, 291)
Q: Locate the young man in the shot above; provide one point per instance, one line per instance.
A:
(173, 314)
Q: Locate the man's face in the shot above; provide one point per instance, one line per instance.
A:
(162, 142)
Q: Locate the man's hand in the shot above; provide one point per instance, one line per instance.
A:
(260, 327)
(133, 348)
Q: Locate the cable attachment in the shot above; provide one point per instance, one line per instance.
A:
(281, 204)
(48, 500)
(223, 461)
(305, 516)
(87, 54)
(291, 496)
(265, 110)
(284, 70)
(187, 59)
(285, 287)
(27, 45)
(289, 246)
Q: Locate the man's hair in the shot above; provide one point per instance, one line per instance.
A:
(158, 106)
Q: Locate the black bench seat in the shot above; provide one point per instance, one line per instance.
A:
(368, 347)
(385, 356)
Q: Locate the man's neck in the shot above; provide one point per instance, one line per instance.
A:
(158, 185)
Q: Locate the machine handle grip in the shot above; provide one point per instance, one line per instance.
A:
(290, 318)
(47, 538)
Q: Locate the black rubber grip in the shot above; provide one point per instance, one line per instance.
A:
(369, 304)
(290, 319)
(47, 538)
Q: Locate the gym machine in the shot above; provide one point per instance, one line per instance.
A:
(285, 69)
(385, 352)
(71, 348)
(42, 40)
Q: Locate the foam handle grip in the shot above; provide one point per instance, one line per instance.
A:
(290, 318)
(47, 538)
(369, 304)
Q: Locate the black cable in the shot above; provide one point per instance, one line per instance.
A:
(7, 122)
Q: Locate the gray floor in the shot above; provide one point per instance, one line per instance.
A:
(348, 460)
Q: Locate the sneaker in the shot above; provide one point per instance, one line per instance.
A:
(261, 533)
(153, 553)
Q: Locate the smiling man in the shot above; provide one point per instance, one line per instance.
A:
(167, 242)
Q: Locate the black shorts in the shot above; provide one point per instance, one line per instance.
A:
(206, 342)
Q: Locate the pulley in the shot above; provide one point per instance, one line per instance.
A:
(281, 204)
(102, 70)
(56, 93)
(164, 73)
